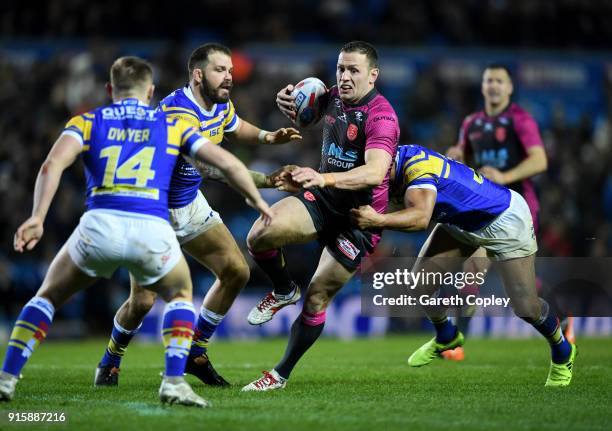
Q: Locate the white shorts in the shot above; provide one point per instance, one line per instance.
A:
(509, 236)
(107, 239)
(193, 219)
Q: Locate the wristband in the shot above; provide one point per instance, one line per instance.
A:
(330, 180)
(262, 136)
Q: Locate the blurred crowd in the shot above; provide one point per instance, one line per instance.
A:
(515, 23)
(39, 94)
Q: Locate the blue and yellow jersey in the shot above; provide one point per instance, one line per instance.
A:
(212, 124)
(465, 199)
(129, 152)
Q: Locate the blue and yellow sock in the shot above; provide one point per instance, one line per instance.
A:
(117, 345)
(29, 331)
(548, 325)
(207, 324)
(177, 332)
(445, 330)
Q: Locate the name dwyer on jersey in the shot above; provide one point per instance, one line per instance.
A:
(131, 135)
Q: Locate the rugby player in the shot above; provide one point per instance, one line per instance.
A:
(129, 151)
(204, 103)
(504, 144)
(471, 212)
(360, 136)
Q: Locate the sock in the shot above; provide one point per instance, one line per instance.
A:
(177, 331)
(273, 263)
(445, 330)
(206, 325)
(304, 332)
(463, 324)
(117, 345)
(548, 325)
(29, 331)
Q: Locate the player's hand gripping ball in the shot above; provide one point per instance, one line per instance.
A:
(308, 94)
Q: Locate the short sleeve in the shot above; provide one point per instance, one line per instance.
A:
(230, 120)
(382, 131)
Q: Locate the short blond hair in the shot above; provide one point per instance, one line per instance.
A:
(130, 73)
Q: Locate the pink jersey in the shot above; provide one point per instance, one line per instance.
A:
(349, 131)
(502, 142)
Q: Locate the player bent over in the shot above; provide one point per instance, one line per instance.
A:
(204, 103)
(129, 151)
(472, 212)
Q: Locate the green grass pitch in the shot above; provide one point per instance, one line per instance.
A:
(339, 385)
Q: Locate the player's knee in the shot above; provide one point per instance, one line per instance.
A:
(262, 238)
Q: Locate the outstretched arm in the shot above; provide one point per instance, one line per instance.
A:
(236, 174)
(63, 154)
(371, 174)
(261, 180)
(248, 134)
(419, 204)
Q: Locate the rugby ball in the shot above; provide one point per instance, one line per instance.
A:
(307, 94)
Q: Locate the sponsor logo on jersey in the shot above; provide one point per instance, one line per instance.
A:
(342, 117)
(128, 112)
(336, 156)
(383, 117)
(488, 127)
(359, 116)
(346, 247)
(351, 132)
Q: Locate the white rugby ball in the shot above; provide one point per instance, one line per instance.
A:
(307, 95)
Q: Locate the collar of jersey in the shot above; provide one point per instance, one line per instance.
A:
(189, 95)
(493, 117)
(131, 101)
(365, 99)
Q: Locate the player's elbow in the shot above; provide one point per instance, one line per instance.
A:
(50, 166)
(540, 162)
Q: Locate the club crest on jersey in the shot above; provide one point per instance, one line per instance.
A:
(347, 248)
(351, 132)
(500, 134)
